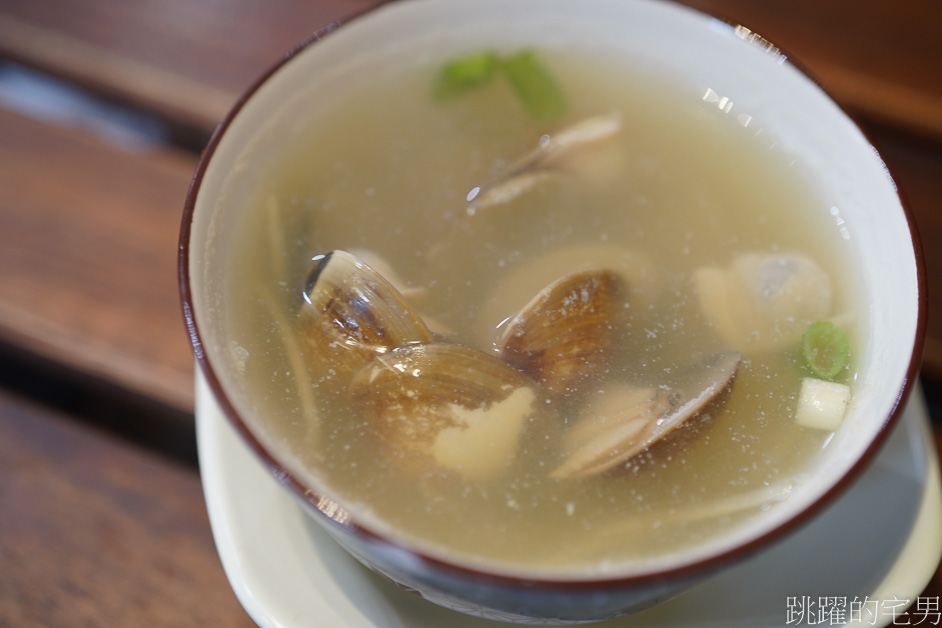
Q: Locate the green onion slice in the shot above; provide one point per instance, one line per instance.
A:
(825, 349)
(535, 86)
(465, 74)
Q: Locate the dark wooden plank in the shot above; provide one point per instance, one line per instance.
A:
(880, 59)
(185, 59)
(94, 532)
(189, 58)
(88, 240)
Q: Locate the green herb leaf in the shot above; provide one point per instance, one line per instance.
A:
(535, 86)
(465, 74)
(825, 349)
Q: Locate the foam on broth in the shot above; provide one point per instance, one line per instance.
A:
(687, 183)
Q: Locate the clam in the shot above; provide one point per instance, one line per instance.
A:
(578, 150)
(385, 268)
(417, 296)
(763, 302)
(644, 280)
(566, 335)
(446, 406)
(619, 424)
(351, 314)
(554, 151)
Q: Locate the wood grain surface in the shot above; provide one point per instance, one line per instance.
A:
(88, 235)
(185, 60)
(96, 532)
(189, 60)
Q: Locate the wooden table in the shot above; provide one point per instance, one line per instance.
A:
(102, 521)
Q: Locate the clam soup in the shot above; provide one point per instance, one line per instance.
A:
(543, 341)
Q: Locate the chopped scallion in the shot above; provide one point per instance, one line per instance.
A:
(825, 349)
(465, 74)
(534, 85)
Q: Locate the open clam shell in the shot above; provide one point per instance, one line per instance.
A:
(351, 314)
(566, 335)
(448, 406)
(644, 280)
(552, 152)
(576, 155)
(630, 420)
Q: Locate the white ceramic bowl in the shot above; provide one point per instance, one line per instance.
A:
(732, 67)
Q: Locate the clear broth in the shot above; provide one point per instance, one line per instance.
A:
(693, 184)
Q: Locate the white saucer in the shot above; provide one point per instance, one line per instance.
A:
(878, 544)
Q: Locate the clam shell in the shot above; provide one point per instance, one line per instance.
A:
(644, 280)
(385, 268)
(446, 406)
(351, 314)
(566, 335)
(557, 146)
(578, 153)
(552, 152)
(623, 423)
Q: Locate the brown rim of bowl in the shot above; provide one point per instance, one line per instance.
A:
(687, 570)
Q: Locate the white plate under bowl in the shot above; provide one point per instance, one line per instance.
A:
(873, 549)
